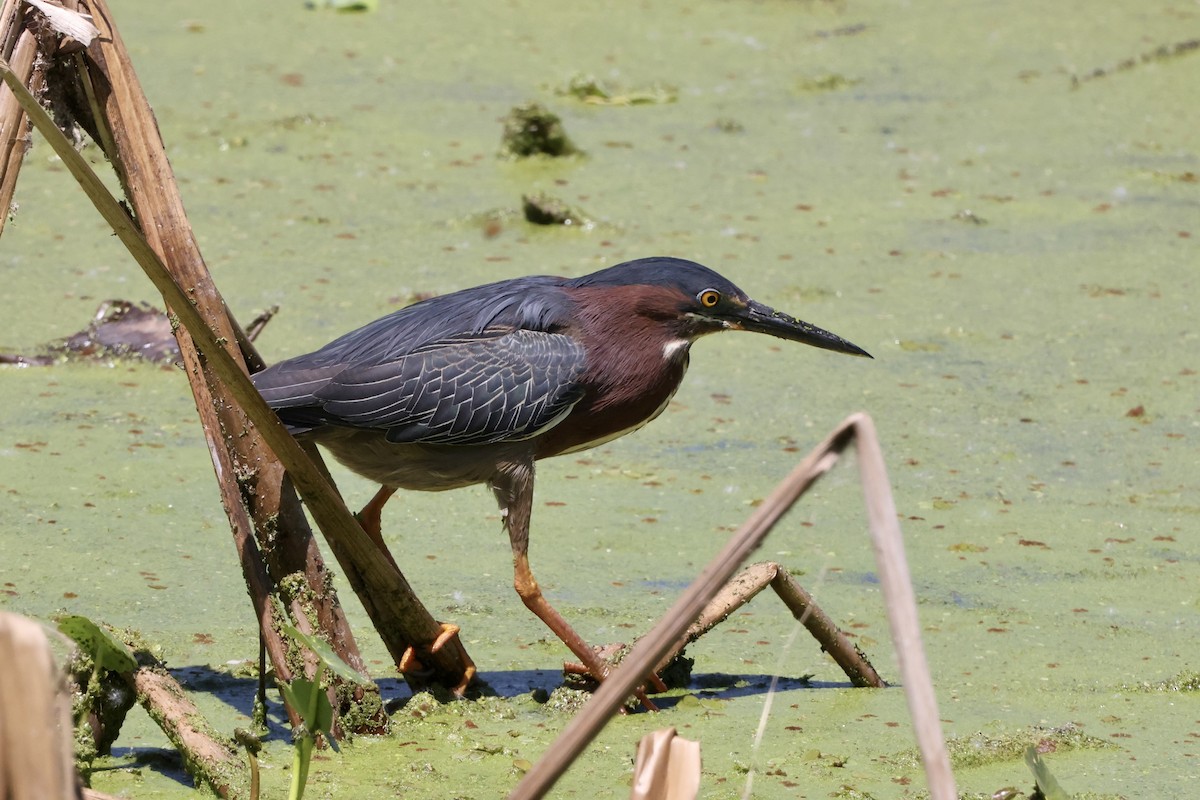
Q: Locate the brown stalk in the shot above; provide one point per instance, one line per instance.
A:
(255, 432)
(207, 755)
(242, 432)
(754, 579)
(18, 46)
(37, 760)
(899, 600)
(248, 482)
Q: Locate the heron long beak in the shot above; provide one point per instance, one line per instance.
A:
(763, 319)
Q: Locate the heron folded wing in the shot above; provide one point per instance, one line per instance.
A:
(289, 387)
(470, 390)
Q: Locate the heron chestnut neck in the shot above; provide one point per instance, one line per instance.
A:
(637, 346)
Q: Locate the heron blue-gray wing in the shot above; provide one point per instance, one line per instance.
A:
(501, 385)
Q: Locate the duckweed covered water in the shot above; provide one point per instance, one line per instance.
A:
(1016, 247)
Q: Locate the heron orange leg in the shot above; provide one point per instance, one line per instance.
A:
(514, 491)
(371, 520)
(531, 595)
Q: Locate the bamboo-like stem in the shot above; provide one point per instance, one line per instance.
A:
(753, 580)
(398, 615)
(36, 754)
(901, 604)
(209, 756)
(19, 47)
(651, 649)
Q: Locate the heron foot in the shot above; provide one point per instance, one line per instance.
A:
(410, 663)
(609, 655)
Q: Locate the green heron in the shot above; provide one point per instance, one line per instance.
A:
(476, 386)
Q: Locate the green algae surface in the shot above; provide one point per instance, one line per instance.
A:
(999, 201)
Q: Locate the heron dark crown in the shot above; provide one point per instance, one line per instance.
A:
(688, 277)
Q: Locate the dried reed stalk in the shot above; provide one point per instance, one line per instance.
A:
(241, 414)
(208, 756)
(250, 479)
(899, 600)
(667, 767)
(753, 580)
(18, 46)
(37, 757)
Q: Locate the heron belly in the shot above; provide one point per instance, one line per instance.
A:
(426, 468)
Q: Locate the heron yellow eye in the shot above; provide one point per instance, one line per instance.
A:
(709, 298)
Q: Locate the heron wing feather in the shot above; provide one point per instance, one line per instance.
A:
(471, 389)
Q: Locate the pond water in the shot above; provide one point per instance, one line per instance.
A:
(998, 200)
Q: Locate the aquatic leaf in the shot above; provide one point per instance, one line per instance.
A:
(106, 650)
(308, 695)
(325, 654)
(289, 697)
(1041, 774)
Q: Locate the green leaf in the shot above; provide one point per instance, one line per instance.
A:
(106, 650)
(289, 697)
(302, 691)
(305, 696)
(1041, 774)
(324, 723)
(325, 654)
